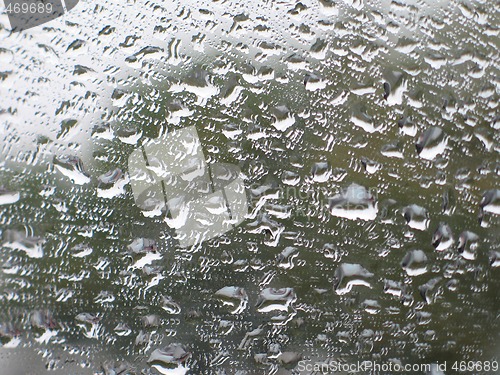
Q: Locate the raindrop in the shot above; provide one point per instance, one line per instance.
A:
(142, 246)
(283, 118)
(321, 172)
(17, 240)
(170, 360)
(416, 217)
(288, 358)
(442, 239)
(355, 202)
(414, 262)
(431, 143)
(271, 299)
(430, 291)
(468, 244)
(234, 297)
(286, 258)
(72, 167)
(112, 183)
(349, 275)
(8, 197)
(81, 250)
(170, 306)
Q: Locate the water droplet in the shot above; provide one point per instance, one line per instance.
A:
(81, 250)
(112, 183)
(442, 239)
(170, 359)
(414, 262)
(283, 118)
(355, 202)
(349, 275)
(431, 143)
(468, 244)
(288, 358)
(20, 241)
(72, 167)
(142, 246)
(8, 197)
(170, 306)
(430, 291)
(271, 299)
(286, 258)
(321, 172)
(233, 296)
(416, 217)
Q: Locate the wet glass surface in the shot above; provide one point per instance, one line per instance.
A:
(367, 136)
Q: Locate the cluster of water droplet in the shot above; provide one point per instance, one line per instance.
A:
(369, 144)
